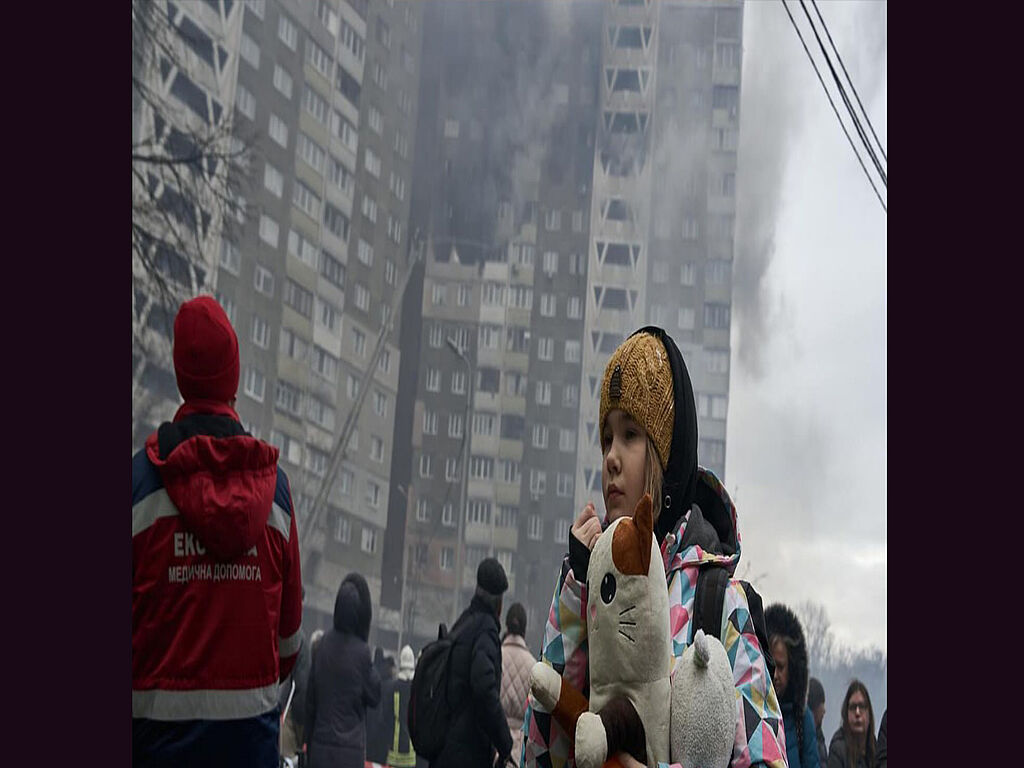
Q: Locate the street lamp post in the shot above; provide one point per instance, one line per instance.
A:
(457, 589)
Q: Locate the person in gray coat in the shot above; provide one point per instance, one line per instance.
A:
(342, 682)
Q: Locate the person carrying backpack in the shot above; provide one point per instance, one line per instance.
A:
(470, 719)
(648, 431)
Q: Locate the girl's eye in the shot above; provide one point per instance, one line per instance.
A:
(630, 434)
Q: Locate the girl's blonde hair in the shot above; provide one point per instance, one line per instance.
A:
(653, 476)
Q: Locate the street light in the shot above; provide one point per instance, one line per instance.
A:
(457, 589)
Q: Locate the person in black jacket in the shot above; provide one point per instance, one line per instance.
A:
(816, 703)
(478, 727)
(342, 682)
(378, 731)
(880, 757)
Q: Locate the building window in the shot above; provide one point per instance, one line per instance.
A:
(570, 395)
(565, 484)
(288, 398)
(369, 543)
(543, 393)
(332, 269)
(425, 468)
(328, 316)
(535, 527)
(260, 332)
(572, 351)
(352, 40)
(438, 292)
(372, 494)
(318, 58)
(229, 306)
(718, 360)
(712, 453)
(230, 258)
(263, 280)
(245, 102)
(255, 384)
(455, 424)
(380, 403)
(572, 308)
(298, 298)
(447, 559)
(380, 76)
(550, 262)
(343, 530)
(422, 511)
(458, 382)
(464, 293)
(389, 272)
(328, 16)
(483, 424)
(548, 305)
(358, 342)
(478, 511)
(540, 436)
(716, 271)
(302, 249)
(687, 318)
(370, 208)
(362, 298)
(510, 471)
(336, 222)
(451, 470)
(577, 266)
(278, 131)
(269, 230)
(306, 200)
(250, 51)
(287, 32)
(345, 482)
(538, 482)
(545, 348)
(339, 176)
(376, 448)
(351, 387)
(324, 363)
(315, 104)
(320, 413)
(433, 380)
(481, 468)
(394, 229)
(429, 422)
(688, 273)
(553, 220)
(311, 152)
(690, 229)
(566, 440)
(397, 186)
(372, 162)
(292, 346)
(716, 316)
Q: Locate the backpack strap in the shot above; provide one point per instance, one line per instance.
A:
(712, 580)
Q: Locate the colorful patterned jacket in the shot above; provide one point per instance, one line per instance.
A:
(760, 736)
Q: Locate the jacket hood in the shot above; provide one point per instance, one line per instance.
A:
(221, 479)
(679, 482)
(353, 611)
(780, 620)
(708, 533)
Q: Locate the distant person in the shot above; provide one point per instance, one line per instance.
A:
(478, 728)
(378, 729)
(816, 703)
(343, 682)
(216, 586)
(516, 663)
(395, 706)
(291, 702)
(853, 744)
(789, 650)
(880, 757)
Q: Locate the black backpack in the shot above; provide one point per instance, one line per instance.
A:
(712, 581)
(430, 713)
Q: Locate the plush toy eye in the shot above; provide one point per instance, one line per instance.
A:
(607, 588)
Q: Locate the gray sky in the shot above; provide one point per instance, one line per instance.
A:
(807, 420)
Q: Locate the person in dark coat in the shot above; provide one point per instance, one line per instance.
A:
(478, 729)
(853, 744)
(816, 703)
(378, 731)
(788, 648)
(342, 682)
(880, 756)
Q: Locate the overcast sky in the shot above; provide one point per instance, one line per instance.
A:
(807, 419)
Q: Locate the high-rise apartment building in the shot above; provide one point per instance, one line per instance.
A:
(324, 94)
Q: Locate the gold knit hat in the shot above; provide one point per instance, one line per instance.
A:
(638, 379)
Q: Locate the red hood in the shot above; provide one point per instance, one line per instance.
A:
(222, 486)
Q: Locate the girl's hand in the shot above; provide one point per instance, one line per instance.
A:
(587, 527)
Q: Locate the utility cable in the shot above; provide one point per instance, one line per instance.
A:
(841, 125)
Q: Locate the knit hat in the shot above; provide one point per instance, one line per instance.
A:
(638, 379)
(406, 660)
(205, 351)
(490, 577)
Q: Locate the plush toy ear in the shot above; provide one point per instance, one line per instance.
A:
(643, 518)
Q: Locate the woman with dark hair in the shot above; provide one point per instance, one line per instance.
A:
(516, 663)
(853, 745)
(342, 682)
(788, 648)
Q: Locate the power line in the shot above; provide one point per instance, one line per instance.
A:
(841, 125)
(850, 80)
(846, 100)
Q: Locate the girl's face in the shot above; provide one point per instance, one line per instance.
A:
(780, 653)
(624, 447)
(857, 713)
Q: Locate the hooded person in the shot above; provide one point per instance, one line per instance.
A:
(478, 727)
(395, 706)
(648, 437)
(516, 663)
(378, 726)
(342, 682)
(789, 649)
(216, 587)
(816, 703)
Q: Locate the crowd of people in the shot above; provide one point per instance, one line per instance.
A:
(223, 674)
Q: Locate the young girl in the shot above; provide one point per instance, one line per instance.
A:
(648, 433)
(853, 744)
